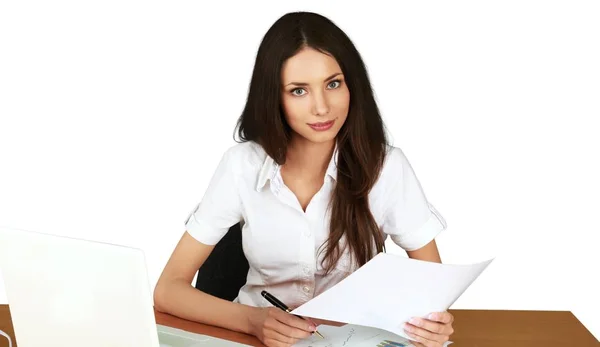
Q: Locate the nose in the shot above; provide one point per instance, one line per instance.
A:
(320, 104)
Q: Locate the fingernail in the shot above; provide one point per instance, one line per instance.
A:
(432, 316)
(415, 321)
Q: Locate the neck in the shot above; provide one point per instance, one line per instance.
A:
(308, 157)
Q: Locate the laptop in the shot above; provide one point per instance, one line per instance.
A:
(72, 292)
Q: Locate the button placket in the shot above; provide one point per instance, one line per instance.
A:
(309, 265)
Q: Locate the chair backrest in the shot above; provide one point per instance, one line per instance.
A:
(225, 270)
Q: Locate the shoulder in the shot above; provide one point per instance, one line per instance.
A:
(243, 157)
(396, 168)
(395, 161)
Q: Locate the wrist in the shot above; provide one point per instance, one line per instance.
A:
(250, 313)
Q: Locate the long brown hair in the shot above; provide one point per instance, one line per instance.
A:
(361, 141)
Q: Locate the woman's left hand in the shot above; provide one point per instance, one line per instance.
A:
(431, 332)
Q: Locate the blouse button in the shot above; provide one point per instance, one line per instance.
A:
(306, 289)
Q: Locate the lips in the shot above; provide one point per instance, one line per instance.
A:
(320, 126)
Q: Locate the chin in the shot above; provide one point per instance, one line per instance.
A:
(321, 138)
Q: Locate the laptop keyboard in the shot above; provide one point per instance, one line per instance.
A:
(171, 340)
(171, 337)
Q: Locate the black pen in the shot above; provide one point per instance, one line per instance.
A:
(275, 302)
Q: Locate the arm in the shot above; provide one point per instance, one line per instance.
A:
(175, 295)
(429, 252)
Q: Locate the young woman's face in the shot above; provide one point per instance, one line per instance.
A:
(315, 97)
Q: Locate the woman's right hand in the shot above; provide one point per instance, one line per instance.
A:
(277, 328)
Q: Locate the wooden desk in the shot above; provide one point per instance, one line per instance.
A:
(473, 328)
(6, 326)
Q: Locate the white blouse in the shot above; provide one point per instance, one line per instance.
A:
(281, 241)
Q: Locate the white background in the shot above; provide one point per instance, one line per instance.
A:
(114, 115)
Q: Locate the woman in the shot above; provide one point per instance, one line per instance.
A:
(315, 185)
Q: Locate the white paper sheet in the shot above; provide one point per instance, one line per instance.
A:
(390, 289)
(354, 336)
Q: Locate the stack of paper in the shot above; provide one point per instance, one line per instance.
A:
(389, 290)
(355, 336)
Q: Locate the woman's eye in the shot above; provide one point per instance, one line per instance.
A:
(298, 91)
(332, 85)
(335, 84)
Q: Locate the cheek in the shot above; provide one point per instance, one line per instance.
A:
(340, 103)
(294, 111)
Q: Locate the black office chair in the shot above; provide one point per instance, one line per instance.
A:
(224, 271)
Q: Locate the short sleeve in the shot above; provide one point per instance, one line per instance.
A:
(410, 220)
(220, 207)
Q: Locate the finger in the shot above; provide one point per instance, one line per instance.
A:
(274, 343)
(279, 338)
(311, 321)
(421, 341)
(308, 319)
(286, 330)
(425, 334)
(432, 326)
(442, 317)
(293, 321)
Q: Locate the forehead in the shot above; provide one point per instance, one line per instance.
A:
(310, 66)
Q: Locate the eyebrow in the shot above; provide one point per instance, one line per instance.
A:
(305, 84)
